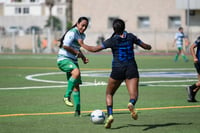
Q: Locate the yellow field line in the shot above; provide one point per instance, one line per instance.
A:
(61, 113)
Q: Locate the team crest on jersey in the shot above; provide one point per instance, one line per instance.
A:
(70, 37)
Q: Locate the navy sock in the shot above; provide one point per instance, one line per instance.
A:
(133, 101)
(109, 110)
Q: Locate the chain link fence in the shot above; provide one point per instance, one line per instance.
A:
(47, 42)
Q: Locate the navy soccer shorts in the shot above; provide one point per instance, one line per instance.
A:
(125, 72)
(197, 66)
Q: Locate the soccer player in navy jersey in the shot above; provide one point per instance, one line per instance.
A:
(124, 67)
(193, 89)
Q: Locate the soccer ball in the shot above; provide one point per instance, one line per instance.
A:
(97, 117)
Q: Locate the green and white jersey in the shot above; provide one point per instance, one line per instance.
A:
(179, 36)
(71, 39)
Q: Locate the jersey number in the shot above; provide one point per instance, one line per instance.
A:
(125, 53)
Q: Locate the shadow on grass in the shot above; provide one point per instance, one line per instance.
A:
(146, 126)
(153, 126)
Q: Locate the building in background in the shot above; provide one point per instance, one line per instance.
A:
(154, 21)
(192, 13)
(27, 13)
(140, 15)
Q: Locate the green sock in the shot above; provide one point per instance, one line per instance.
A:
(184, 57)
(176, 57)
(71, 84)
(77, 100)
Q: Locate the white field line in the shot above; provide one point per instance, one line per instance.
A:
(168, 69)
(98, 83)
(101, 83)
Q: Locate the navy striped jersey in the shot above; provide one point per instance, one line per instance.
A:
(122, 48)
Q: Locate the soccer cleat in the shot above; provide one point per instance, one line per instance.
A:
(77, 114)
(68, 102)
(192, 100)
(133, 113)
(191, 95)
(186, 60)
(109, 121)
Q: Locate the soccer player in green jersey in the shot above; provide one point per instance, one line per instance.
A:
(179, 41)
(67, 61)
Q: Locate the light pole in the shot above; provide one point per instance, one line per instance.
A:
(50, 3)
(69, 11)
(188, 17)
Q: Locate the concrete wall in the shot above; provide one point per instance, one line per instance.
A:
(99, 11)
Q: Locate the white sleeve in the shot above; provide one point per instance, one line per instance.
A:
(69, 37)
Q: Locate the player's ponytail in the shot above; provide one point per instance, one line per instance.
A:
(62, 38)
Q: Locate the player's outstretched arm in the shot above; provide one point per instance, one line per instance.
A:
(145, 46)
(90, 48)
